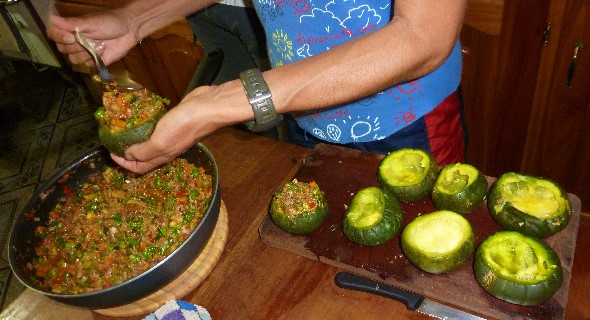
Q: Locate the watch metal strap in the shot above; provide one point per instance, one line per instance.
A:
(260, 99)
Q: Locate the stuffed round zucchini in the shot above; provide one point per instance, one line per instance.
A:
(127, 118)
(299, 207)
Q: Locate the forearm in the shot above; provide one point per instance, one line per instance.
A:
(147, 16)
(414, 43)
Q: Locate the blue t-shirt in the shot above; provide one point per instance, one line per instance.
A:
(297, 29)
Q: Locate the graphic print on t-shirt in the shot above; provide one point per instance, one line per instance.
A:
(298, 29)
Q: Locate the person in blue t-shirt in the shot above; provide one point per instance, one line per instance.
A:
(376, 75)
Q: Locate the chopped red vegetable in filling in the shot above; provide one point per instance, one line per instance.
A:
(118, 225)
(298, 197)
(126, 110)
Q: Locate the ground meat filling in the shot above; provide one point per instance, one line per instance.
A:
(118, 225)
(126, 110)
(298, 197)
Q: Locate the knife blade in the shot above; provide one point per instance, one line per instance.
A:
(412, 301)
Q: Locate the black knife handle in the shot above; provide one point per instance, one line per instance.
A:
(352, 281)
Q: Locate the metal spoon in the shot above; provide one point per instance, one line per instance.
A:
(105, 77)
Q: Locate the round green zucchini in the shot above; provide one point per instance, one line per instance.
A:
(299, 207)
(531, 205)
(117, 141)
(373, 217)
(460, 187)
(438, 242)
(408, 173)
(517, 268)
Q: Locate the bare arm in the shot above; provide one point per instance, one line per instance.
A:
(417, 41)
(147, 16)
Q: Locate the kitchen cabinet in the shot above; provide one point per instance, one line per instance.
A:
(164, 62)
(526, 88)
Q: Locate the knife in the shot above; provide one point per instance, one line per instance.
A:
(412, 301)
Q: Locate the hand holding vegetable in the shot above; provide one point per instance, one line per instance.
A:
(200, 113)
(127, 118)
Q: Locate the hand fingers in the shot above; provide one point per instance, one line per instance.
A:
(176, 125)
(67, 24)
(107, 32)
(61, 30)
(139, 166)
(76, 54)
(132, 165)
(143, 157)
(81, 57)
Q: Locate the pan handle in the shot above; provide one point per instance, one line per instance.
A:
(207, 70)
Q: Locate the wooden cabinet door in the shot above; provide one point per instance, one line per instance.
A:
(173, 57)
(558, 146)
(502, 43)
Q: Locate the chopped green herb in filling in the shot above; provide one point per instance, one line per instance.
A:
(118, 225)
(122, 111)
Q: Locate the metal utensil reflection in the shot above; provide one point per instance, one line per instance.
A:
(103, 75)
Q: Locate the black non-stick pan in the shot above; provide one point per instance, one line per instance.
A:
(22, 237)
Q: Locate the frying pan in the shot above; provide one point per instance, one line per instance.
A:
(23, 240)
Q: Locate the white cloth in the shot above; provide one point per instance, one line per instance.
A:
(179, 310)
(237, 3)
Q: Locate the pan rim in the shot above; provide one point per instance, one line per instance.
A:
(206, 224)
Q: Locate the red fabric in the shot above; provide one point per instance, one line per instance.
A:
(445, 131)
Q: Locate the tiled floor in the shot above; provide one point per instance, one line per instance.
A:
(44, 124)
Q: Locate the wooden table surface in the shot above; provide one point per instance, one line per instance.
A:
(256, 281)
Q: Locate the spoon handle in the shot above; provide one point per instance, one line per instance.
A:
(103, 72)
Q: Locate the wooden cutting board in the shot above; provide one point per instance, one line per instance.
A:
(340, 172)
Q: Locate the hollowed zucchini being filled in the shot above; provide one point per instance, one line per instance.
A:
(127, 118)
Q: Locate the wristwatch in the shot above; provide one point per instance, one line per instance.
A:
(260, 99)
